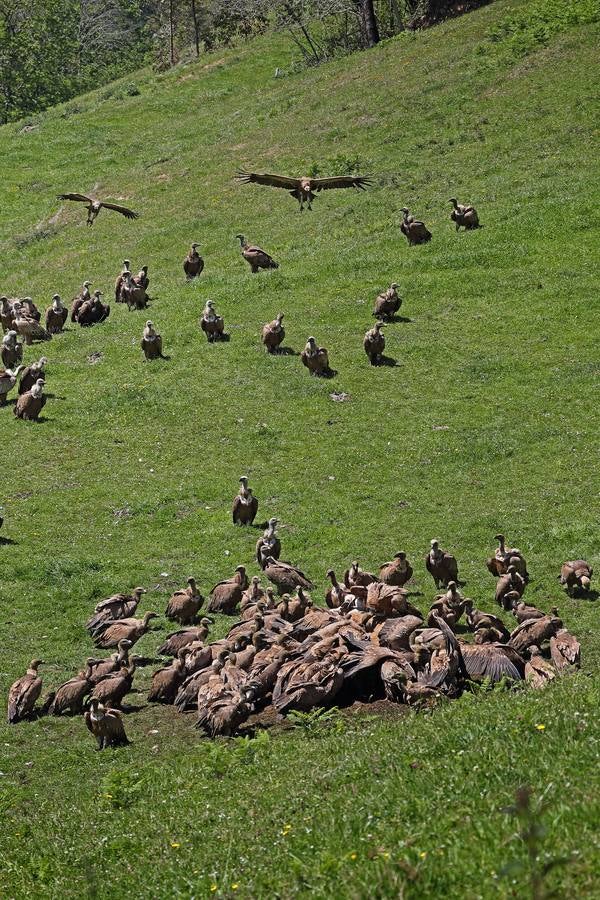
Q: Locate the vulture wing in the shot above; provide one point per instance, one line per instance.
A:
(489, 661)
(361, 182)
(278, 181)
(81, 198)
(128, 213)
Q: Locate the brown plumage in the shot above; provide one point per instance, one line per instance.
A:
(224, 709)
(78, 301)
(388, 303)
(576, 575)
(152, 342)
(478, 619)
(256, 257)
(538, 670)
(94, 206)
(285, 576)
(316, 359)
(118, 606)
(70, 695)
(93, 311)
(31, 373)
(226, 595)
(7, 315)
(303, 683)
(167, 680)
(355, 576)
(141, 279)
(106, 725)
(113, 689)
(212, 324)
(193, 264)
(110, 633)
(12, 350)
(398, 571)
(8, 379)
(269, 544)
(133, 293)
(522, 612)
(24, 692)
(100, 668)
(492, 661)
(442, 566)
(565, 650)
(183, 605)
(245, 505)
(336, 594)
(374, 343)
(534, 631)
(395, 632)
(56, 316)
(414, 231)
(304, 189)
(273, 334)
(30, 404)
(27, 326)
(463, 216)
(175, 641)
(508, 586)
(120, 281)
(505, 557)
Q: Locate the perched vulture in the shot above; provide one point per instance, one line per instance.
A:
(226, 595)
(534, 631)
(56, 315)
(78, 302)
(94, 206)
(414, 231)
(212, 324)
(8, 379)
(183, 606)
(103, 667)
(273, 334)
(118, 606)
(141, 279)
(28, 327)
(7, 314)
(538, 670)
(509, 587)
(133, 293)
(245, 505)
(442, 566)
(69, 696)
(255, 256)
(398, 571)
(114, 688)
(93, 310)
(184, 637)
(388, 303)
(269, 544)
(24, 693)
(305, 188)
(110, 633)
(31, 374)
(565, 650)
(30, 404)
(316, 359)
(374, 343)
(167, 680)
(152, 342)
(465, 216)
(576, 575)
(505, 557)
(12, 350)
(285, 576)
(106, 725)
(120, 281)
(193, 264)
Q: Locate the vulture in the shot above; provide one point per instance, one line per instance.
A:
(103, 667)
(316, 359)
(414, 231)
(30, 404)
(509, 587)
(175, 641)
(505, 557)
(28, 308)
(522, 612)
(70, 695)
(565, 650)
(387, 303)
(8, 379)
(269, 544)
(119, 606)
(285, 576)
(183, 606)
(538, 670)
(193, 264)
(94, 206)
(441, 565)
(226, 595)
(374, 343)
(492, 661)
(133, 293)
(273, 334)
(224, 709)
(252, 596)
(114, 688)
(93, 310)
(167, 680)
(31, 374)
(7, 315)
(212, 324)
(305, 188)
(534, 631)
(28, 327)
(245, 505)
(120, 281)
(56, 316)
(576, 575)
(24, 693)
(355, 576)
(465, 216)
(477, 620)
(302, 684)
(106, 725)
(398, 571)
(337, 593)
(78, 302)
(255, 257)
(141, 279)
(12, 350)
(110, 633)
(152, 342)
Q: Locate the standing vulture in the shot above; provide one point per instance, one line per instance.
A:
(141, 279)
(152, 342)
(255, 257)
(24, 692)
(316, 359)
(273, 334)
(120, 281)
(183, 605)
(465, 216)
(193, 264)
(31, 374)
(93, 310)
(106, 725)
(118, 606)
(28, 326)
(12, 350)
(133, 292)
(56, 315)
(30, 404)
(8, 379)
(414, 231)
(397, 572)
(81, 298)
(374, 344)
(576, 574)
(7, 314)
(305, 188)
(212, 324)
(245, 506)
(442, 566)
(269, 544)
(388, 303)
(226, 595)
(94, 206)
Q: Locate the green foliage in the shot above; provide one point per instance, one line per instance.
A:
(533, 26)
(121, 788)
(316, 721)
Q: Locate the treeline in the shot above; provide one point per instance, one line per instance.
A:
(51, 50)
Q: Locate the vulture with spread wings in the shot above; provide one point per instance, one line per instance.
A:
(304, 189)
(94, 206)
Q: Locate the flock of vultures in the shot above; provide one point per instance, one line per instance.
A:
(284, 652)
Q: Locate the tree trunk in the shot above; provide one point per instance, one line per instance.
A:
(171, 33)
(370, 22)
(196, 27)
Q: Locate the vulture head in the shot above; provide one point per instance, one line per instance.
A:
(126, 264)
(35, 663)
(400, 555)
(405, 210)
(36, 390)
(124, 644)
(139, 591)
(241, 569)
(453, 201)
(195, 245)
(435, 545)
(191, 581)
(584, 582)
(150, 615)
(9, 338)
(87, 284)
(42, 361)
(394, 286)
(379, 326)
(241, 239)
(97, 294)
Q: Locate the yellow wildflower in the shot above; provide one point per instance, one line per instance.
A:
(353, 855)
(234, 886)
(175, 845)
(541, 727)
(213, 888)
(423, 854)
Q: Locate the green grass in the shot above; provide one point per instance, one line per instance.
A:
(501, 350)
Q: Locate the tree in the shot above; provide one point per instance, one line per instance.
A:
(369, 19)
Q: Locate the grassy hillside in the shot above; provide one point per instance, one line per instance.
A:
(488, 421)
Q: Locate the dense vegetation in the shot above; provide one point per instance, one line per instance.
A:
(488, 421)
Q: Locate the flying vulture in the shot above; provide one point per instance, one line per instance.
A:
(304, 189)
(94, 206)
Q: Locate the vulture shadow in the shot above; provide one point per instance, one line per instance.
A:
(5, 540)
(388, 361)
(131, 709)
(592, 595)
(394, 319)
(330, 373)
(142, 661)
(285, 351)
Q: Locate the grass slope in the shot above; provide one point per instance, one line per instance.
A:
(133, 471)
